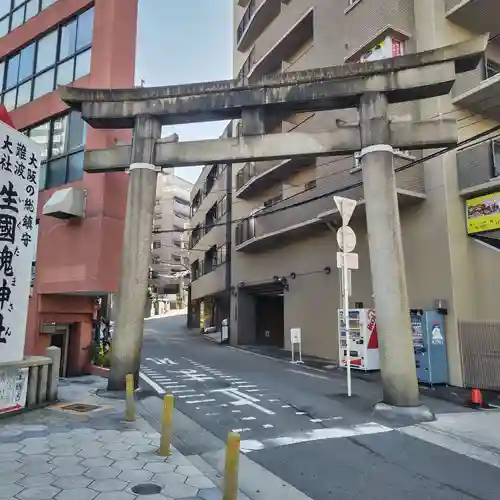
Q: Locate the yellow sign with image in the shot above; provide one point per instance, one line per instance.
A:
(483, 213)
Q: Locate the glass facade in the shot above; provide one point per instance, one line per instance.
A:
(62, 140)
(58, 58)
(13, 13)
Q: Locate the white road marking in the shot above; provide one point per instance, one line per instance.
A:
(239, 431)
(244, 399)
(171, 386)
(268, 426)
(224, 405)
(152, 383)
(251, 390)
(319, 420)
(285, 406)
(235, 411)
(248, 418)
(300, 372)
(211, 414)
(246, 386)
(314, 435)
(157, 361)
(274, 400)
(300, 413)
(184, 396)
(200, 401)
(182, 391)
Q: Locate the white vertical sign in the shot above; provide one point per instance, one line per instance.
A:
(296, 339)
(19, 174)
(346, 239)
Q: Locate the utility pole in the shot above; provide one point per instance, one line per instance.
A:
(397, 362)
(127, 338)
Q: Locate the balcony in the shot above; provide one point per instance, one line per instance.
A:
(272, 61)
(254, 177)
(479, 16)
(479, 169)
(282, 227)
(483, 99)
(258, 15)
(209, 284)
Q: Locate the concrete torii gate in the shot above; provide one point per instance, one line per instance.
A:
(369, 86)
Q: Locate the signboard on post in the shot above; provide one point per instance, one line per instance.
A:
(346, 239)
(296, 339)
(19, 177)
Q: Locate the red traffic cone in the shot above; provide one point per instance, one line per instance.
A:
(477, 398)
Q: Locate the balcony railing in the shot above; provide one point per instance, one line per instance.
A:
(300, 216)
(283, 46)
(478, 16)
(247, 172)
(258, 15)
(253, 178)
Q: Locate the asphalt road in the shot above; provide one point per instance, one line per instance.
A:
(298, 423)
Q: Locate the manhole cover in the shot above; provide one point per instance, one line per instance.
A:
(79, 407)
(146, 489)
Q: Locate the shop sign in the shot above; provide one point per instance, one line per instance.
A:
(483, 213)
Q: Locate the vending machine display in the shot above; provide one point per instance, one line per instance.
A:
(364, 352)
(429, 346)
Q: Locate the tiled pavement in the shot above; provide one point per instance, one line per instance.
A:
(59, 454)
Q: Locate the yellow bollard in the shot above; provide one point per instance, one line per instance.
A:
(166, 425)
(129, 398)
(232, 466)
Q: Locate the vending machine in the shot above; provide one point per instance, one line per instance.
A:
(364, 351)
(429, 346)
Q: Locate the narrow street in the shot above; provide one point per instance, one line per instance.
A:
(297, 423)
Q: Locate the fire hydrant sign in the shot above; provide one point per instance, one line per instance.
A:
(13, 389)
(19, 177)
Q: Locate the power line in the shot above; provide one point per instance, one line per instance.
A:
(482, 135)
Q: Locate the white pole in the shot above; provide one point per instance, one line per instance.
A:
(345, 274)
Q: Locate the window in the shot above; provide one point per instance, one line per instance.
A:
(14, 13)
(156, 244)
(62, 140)
(492, 68)
(495, 146)
(57, 58)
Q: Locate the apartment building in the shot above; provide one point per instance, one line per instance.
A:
(283, 261)
(43, 44)
(169, 259)
(210, 246)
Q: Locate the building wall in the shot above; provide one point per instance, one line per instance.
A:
(441, 260)
(79, 260)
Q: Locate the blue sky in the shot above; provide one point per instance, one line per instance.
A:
(184, 41)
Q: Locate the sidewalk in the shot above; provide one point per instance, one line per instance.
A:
(87, 452)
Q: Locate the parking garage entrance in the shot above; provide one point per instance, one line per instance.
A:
(261, 318)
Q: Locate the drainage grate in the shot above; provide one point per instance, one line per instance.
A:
(79, 407)
(146, 489)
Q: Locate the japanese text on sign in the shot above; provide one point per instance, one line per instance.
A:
(19, 173)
